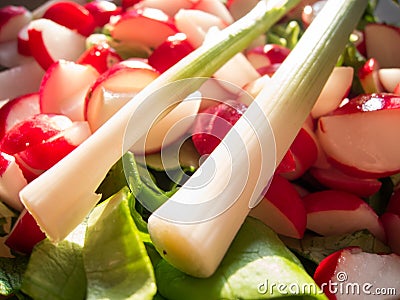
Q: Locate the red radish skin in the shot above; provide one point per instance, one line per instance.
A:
(102, 11)
(282, 209)
(369, 77)
(391, 223)
(25, 234)
(358, 137)
(23, 41)
(170, 52)
(125, 4)
(71, 15)
(12, 20)
(334, 179)
(213, 123)
(394, 202)
(17, 110)
(288, 164)
(169, 7)
(333, 212)
(100, 56)
(269, 54)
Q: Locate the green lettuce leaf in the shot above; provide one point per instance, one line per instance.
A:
(256, 264)
(55, 272)
(11, 271)
(115, 259)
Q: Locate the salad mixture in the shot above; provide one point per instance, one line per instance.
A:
(326, 228)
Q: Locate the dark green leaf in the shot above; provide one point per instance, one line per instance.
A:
(11, 271)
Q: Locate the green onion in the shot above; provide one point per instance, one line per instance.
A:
(61, 198)
(195, 240)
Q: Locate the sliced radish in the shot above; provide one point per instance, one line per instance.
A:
(333, 212)
(216, 8)
(393, 205)
(170, 7)
(334, 179)
(67, 99)
(359, 137)
(20, 80)
(369, 77)
(11, 181)
(238, 8)
(252, 89)
(335, 90)
(17, 110)
(383, 43)
(262, 56)
(282, 209)
(10, 56)
(391, 223)
(351, 273)
(115, 88)
(12, 19)
(50, 42)
(135, 25)
(102, 11)
(23, 41)
(25, 234)
(389, 77)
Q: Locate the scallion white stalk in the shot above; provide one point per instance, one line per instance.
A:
(197, 248)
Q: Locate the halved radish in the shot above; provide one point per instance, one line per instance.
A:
(10, 56)
(170, 7)
(389, 78)
(12, 19)
(369, 77)
(252, 89)
(102, 11)
(391, 223)
(135, 25)
(71, 15)
(17, 110)
(114, 88)
(238, 8)
(333, 212)
(393, 205)
(23, 41)
(262, 56)
(50, 42)
(335, 90)
(20, 80)
(68, 99)
(282, 209)
(383, 43)
(11, 181)
(216, 8)
(170, 128)
(359, 138)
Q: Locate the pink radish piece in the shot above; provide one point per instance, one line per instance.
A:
(282, 209)
(238, 8)
(12, 19)
(335, 90)
(114, 88)
(170, 7)
(216, 8)
(391, 223)
(351, 273)
(50, 42)
(377, 35)
(133, 27)
(262, 56)
(394, 202)
(10, 56)
(333, 212)
(67, 99)
(389, 78)
(11, 181)
(102, 11)
(17, 110)
(369, 77)
(358, 137)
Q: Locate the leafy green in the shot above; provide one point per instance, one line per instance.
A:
(255, 264)
(285, 34)
(11, 271)
(6, 216)
(55, 272)
(316, 248)
(114, 181)
(115, 259)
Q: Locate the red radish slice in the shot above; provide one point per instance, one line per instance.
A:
(390, 78)
(25, 234)
(358, 137)
(20, 80)
(377, 35)
(171, 127)
(44, 155)
(170, 52)
(238, 8)
(216, 8)
(50, 42)
(351, 273)
(41, 9)
(102, 11)
(213, 92)
(262, 56)
(252, 89)
(71, 15)
(67, 99)
(335, 90)
(23, 41)
(32, 131)
(100, 56)
(334, 179)
(282, 209)
(391, 223)
(170, 7)
(134, 27)
(333, 212)
(11, 181)
(115, 88)
(12, 19)
(394, 202)
(369, 77)
(17, 110)
(9, 55)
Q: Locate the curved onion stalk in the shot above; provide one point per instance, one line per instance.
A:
(60, 198)
(190, 230)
